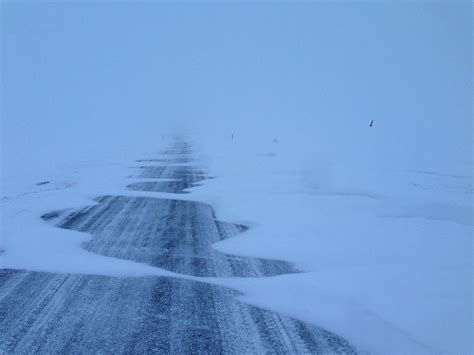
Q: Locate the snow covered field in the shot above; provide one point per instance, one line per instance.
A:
(386, 265)
(388, 261)
(378, 219)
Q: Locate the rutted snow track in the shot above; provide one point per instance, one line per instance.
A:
(58, 313)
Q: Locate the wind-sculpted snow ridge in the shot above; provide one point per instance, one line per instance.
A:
(175, 235)
(185, 177)
(57, 313)
(170, 234)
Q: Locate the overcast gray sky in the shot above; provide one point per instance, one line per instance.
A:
(125, 70)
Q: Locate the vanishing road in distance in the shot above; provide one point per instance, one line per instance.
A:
(65, 313)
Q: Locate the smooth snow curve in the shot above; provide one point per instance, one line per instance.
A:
(57, 313)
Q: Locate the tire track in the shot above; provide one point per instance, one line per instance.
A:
(56, 313)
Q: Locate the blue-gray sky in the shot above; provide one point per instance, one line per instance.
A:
(85, 72)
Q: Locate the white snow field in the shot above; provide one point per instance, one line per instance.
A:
(387, 261)
(275, 99)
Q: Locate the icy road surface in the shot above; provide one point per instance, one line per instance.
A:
(61, 313)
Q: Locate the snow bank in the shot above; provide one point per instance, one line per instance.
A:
(386, 248)
(35, 188)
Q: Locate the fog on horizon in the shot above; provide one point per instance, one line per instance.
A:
(84, 77)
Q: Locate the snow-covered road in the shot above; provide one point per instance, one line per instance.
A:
(62, 313)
